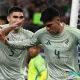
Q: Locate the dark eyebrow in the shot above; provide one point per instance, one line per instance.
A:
(48, 25)
(21, 16)
(18, 17)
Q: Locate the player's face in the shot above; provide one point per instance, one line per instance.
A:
(15, 17)
(34, 51)
(53, 26)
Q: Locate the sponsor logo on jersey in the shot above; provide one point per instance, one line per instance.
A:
(48, 42)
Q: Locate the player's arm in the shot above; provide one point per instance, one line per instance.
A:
(19, 44)
(5, 31)
(75, 32)
(41, 68)
(22, 44)
(43, 75)
(33, 41)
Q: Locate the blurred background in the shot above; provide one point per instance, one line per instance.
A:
(32, 10)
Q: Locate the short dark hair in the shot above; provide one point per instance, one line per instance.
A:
(14, 9)
(49, 13)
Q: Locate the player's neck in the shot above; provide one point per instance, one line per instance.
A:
(15, 31)
(61, 28)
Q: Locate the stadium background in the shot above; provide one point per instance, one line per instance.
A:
(33, 8)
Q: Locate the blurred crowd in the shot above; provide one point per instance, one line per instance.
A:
(32, 10)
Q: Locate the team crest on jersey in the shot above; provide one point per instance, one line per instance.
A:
(66, 42)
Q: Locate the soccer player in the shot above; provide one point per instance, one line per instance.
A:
(36, 67)
(12, 61)
(60, 43)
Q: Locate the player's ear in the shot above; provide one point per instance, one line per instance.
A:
(8, 18)
(58, 20)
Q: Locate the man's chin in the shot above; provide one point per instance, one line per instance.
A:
(17, 27)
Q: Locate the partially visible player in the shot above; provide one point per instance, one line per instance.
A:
(12, 61)
(37, 67)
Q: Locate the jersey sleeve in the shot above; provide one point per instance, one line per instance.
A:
(75, 32)
(29, 33)
(0, 27)
(4, 26)
(33, 41)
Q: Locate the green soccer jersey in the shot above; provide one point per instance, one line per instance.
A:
(61, 52)
(12, 61)
(36, 66)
